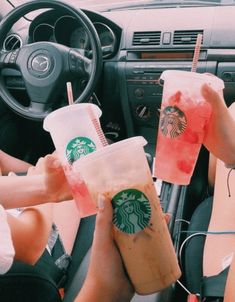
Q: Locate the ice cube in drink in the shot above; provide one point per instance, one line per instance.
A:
(183, 122)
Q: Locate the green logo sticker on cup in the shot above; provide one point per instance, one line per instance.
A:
(131, 211)
(78, 147)
(173, 121)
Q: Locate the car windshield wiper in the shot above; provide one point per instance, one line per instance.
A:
(170, 3)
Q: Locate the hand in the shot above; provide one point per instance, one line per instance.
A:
(215, 98)
(106, 280)
(219, 138)
(55, 181)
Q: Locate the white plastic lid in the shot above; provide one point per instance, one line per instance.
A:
(62, 111)
(115, 147)
(212, 80)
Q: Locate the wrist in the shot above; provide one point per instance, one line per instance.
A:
(94, 291)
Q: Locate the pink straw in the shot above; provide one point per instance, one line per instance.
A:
(70, 93)
(97, 126)
(196, 53)
(94, 120)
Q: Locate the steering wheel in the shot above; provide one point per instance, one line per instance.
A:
(46, 66)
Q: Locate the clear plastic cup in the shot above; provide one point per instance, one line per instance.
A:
(121, 173)
(73, 132)
(183, 122)
(76, 132)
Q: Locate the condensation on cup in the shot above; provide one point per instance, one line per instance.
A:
(121, 174)
(76, 132)
(183, 121)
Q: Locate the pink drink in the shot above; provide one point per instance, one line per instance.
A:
(183, 122)
(81, 195)
(76, 132)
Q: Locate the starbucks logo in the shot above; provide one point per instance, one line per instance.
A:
(131, 211)
(173, 121)
(78, 147)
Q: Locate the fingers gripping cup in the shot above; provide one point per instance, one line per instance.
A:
(121, 173)
(73, 130)
(182, 126)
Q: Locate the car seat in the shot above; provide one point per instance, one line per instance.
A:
(209, 288)
(27, 283)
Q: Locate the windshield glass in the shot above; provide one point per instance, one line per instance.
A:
(103, 5)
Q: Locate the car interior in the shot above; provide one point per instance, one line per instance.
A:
(114, 58)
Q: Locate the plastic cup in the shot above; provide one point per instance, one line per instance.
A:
(182, 126)
(121, 173)
(75, 134)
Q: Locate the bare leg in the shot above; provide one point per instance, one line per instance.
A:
(67, 220)
(219, 249)
(30, 232)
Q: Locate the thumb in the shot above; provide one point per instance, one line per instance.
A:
(52, 163)
(211, 96)
(103, 227)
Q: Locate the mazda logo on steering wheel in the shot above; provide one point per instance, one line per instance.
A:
(40, 63)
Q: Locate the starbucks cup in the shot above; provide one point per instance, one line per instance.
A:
(76, 132)
(73, 132)
(183, 122)
(120, 173)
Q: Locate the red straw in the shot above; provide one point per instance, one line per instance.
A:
(196, 53)
(70, 93)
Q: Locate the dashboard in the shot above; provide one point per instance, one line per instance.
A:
(137, 46)
(66, 30)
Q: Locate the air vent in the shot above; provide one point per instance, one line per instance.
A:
(146, 38)
(12, 42)
(186, 37)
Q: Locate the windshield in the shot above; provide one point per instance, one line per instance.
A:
(102, 5)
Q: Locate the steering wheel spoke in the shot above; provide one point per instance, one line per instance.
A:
(79, 64)
(45, 95)
(9, 58)
(38, 108)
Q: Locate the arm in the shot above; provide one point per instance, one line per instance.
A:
(45, 182)
(219, 139)
(9, 163)
(106, 279)
(48, 186)
(212, 171)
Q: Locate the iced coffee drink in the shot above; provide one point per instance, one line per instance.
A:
(120, 173)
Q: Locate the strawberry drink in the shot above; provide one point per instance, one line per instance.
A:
(182, 126)
(75, 131)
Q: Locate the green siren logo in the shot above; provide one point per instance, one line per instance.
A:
(172, 121)
(131, 211)
(78, 147)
